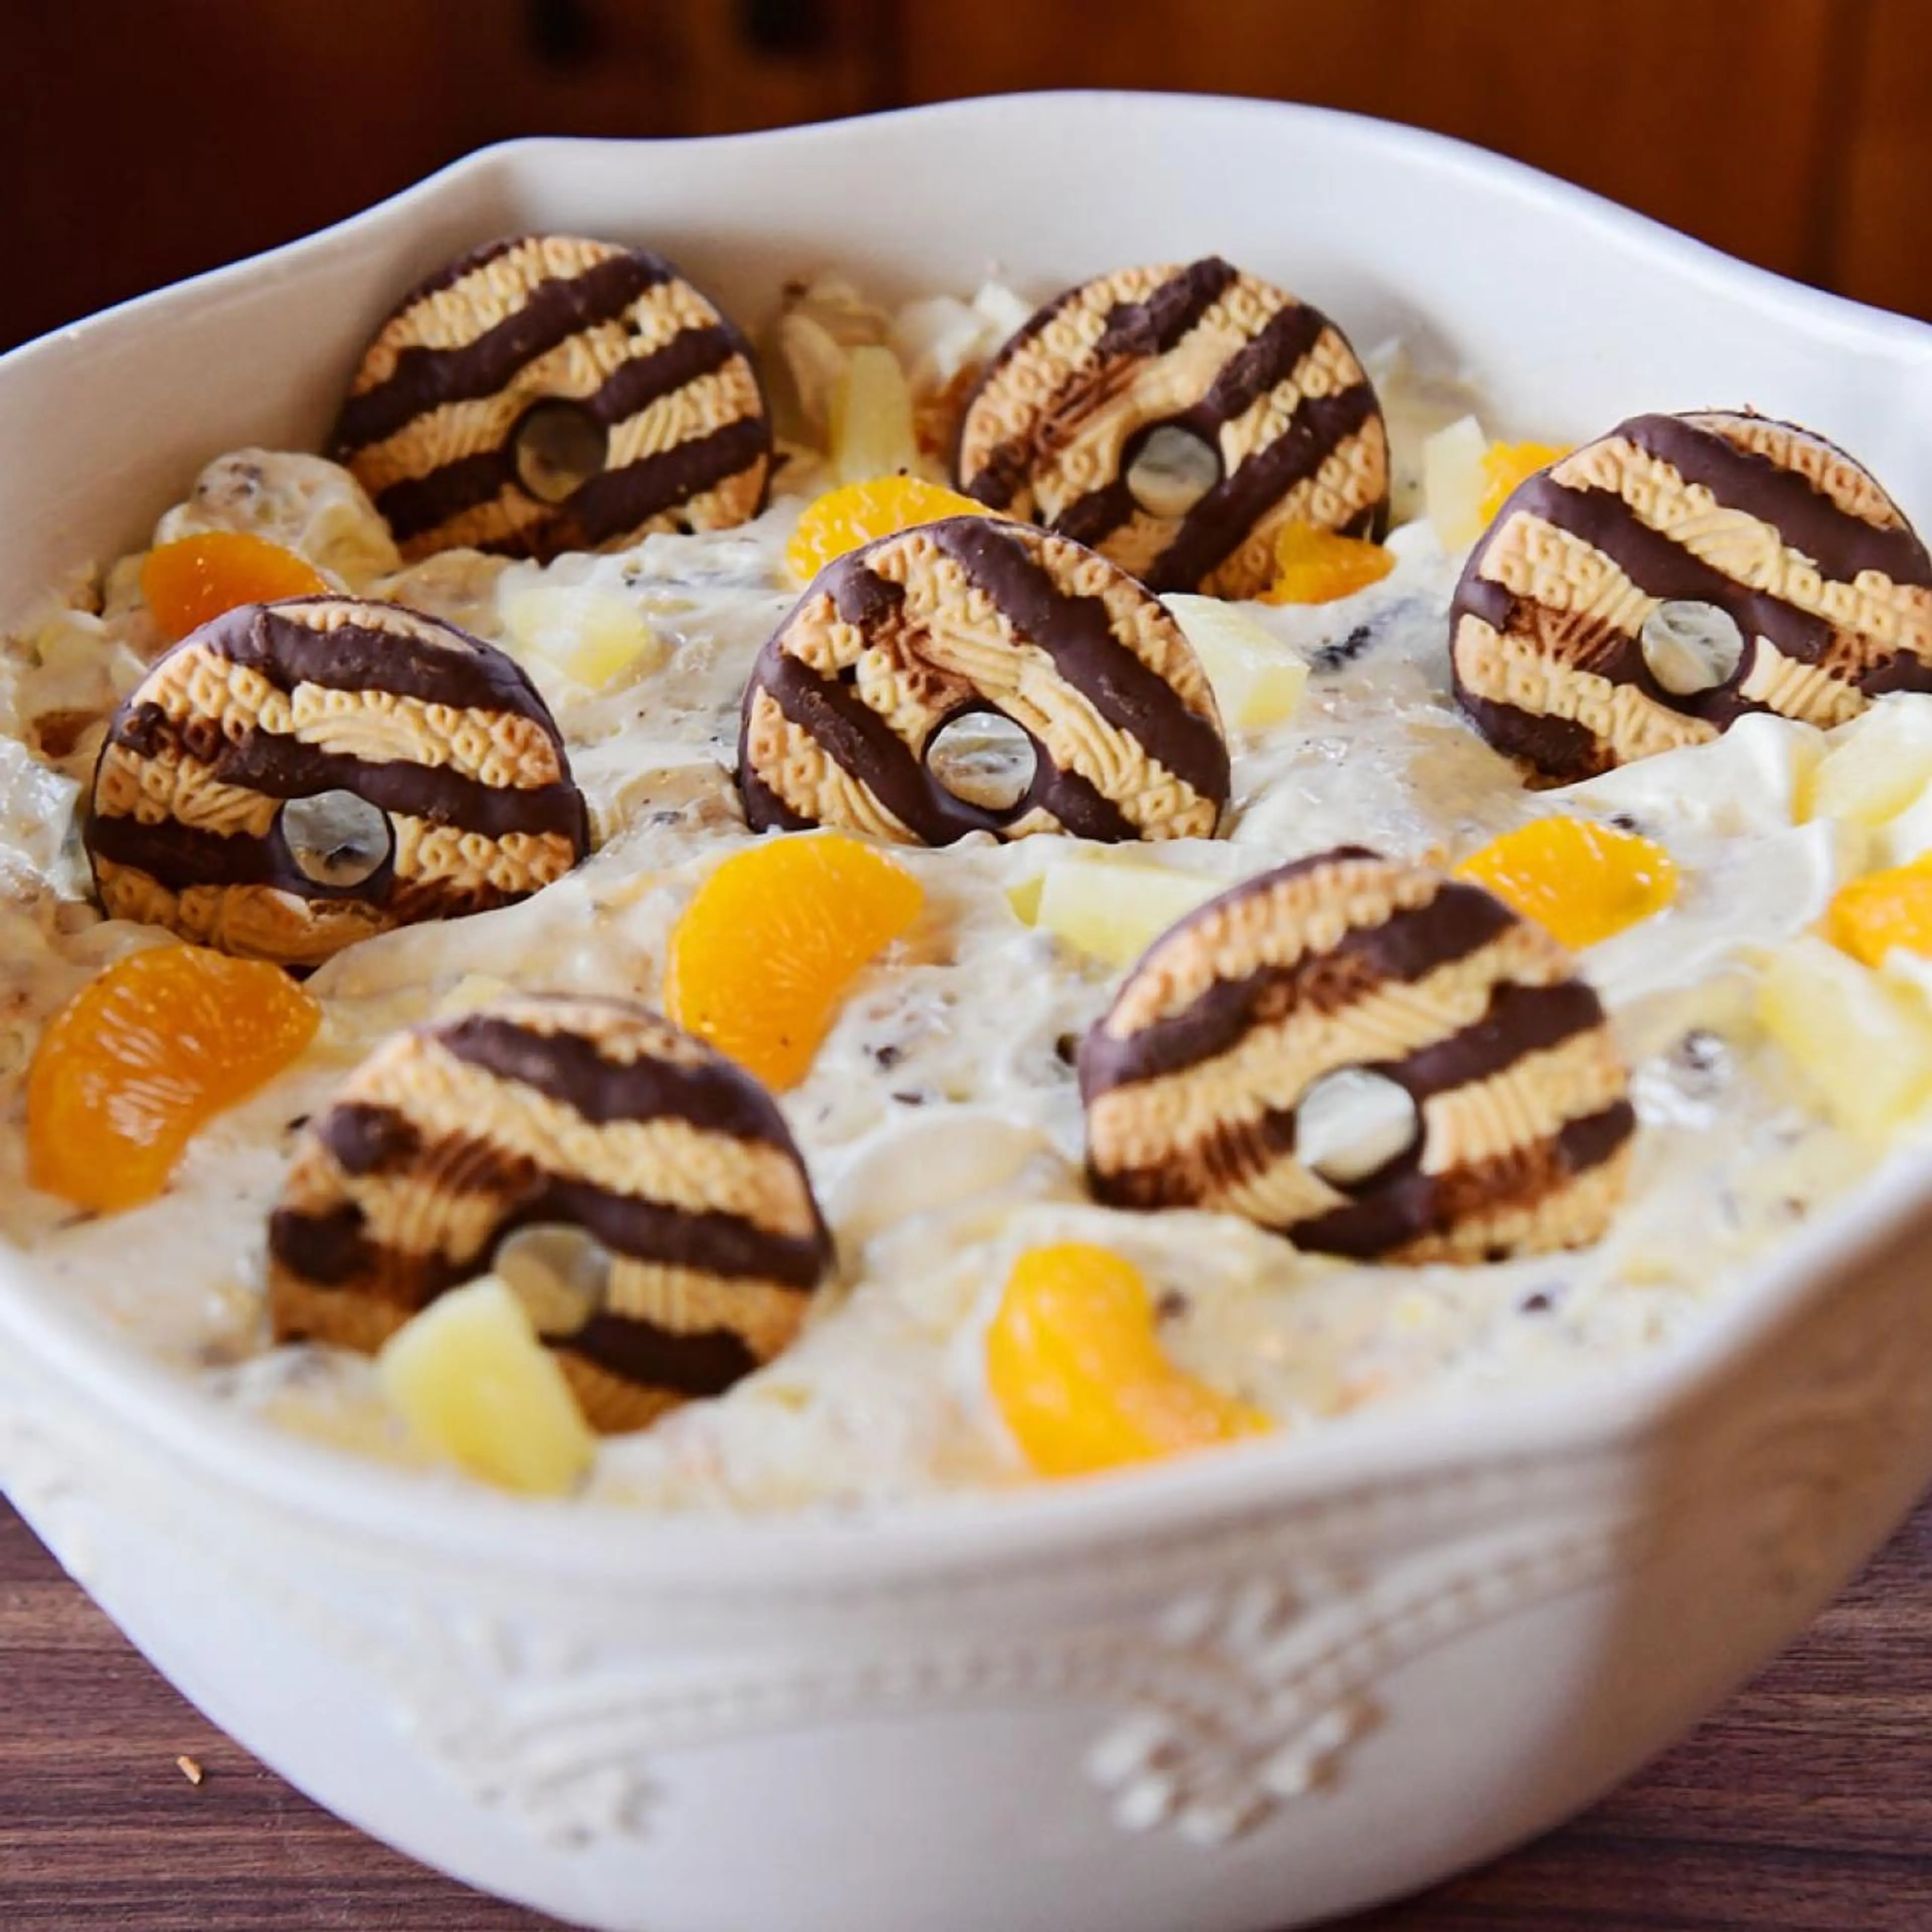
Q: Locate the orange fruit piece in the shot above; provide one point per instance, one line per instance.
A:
(1077, 1371)
(1316, 566)
(1581, 882)
(858, 513)
(188, 582)
(1871, 916)
(139, 1061)
(1507, 465)
(763, 956)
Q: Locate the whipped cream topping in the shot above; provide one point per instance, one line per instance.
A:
(940, 1120)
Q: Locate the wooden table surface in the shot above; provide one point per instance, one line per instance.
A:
(1804, 1806)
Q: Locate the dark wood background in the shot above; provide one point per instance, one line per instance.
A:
(1804, 1806)
(142, 140)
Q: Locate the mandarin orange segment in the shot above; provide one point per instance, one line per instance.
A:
(1077, 1370)
(768, 948)
(188, 583)
(1581, 882)
(857, 513)
(1871, 917)
(140, 1060)
(1317, 566)
(1507, 466)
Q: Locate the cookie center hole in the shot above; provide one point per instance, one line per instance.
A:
(559, 1273)
(983, 759)
(1351, 1123)
(1691, 647)
(559, 447)
(335, 838)
(1172, 471)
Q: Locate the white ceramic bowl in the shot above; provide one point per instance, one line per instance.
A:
(1234, 1693)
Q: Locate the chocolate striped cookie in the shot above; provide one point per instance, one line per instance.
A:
(293, 777)
(638, 1192)
(547, 393)
(1368, 1056)
(1176, 419)
(1658, 583)
(894, 643)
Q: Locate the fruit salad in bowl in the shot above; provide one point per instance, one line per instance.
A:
(972, 938)
(331, 797)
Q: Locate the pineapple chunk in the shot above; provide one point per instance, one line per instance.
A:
(473, 1381)
(472, 991)
(1113, 909)
(590, 636)
(1024, 898)
(872, 417)
(1454, 482)
(1909, 974)
(1876, 765)
(1864, 1043)
(1258, 679)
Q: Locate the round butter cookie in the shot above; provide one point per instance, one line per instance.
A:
(896, 642)
(1368, 1056)
(1651, 586)
(293, 777)
(548, 393)
(1176, 419)
(638, 1192)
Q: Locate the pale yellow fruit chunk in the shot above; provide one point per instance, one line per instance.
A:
(1258, 679)
(472, 991)
(1024, 898)
(872, 417)
(474, 1383)
(1863, 1043)
(1454, 482)
(1113, 911)
(1876, 766)
(591, 636)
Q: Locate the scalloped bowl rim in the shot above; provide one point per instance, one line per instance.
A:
(929, 1538)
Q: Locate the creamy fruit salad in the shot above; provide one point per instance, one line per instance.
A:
(1752, 905)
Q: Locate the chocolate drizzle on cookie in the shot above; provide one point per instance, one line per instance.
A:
(1784, 534)
(1266, 382)
(1133, 331)
(893, 643)
(553, 1111)
(1077, 630)
(433, 422)
(1193, 1079)
(268, 704)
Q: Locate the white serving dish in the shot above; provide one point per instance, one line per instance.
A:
(1234, 1693)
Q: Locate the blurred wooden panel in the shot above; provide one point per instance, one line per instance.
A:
(771, 63)
(685, 67)
(562, 67)
(1709, 114)
(144, 140)
(1881, 247)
